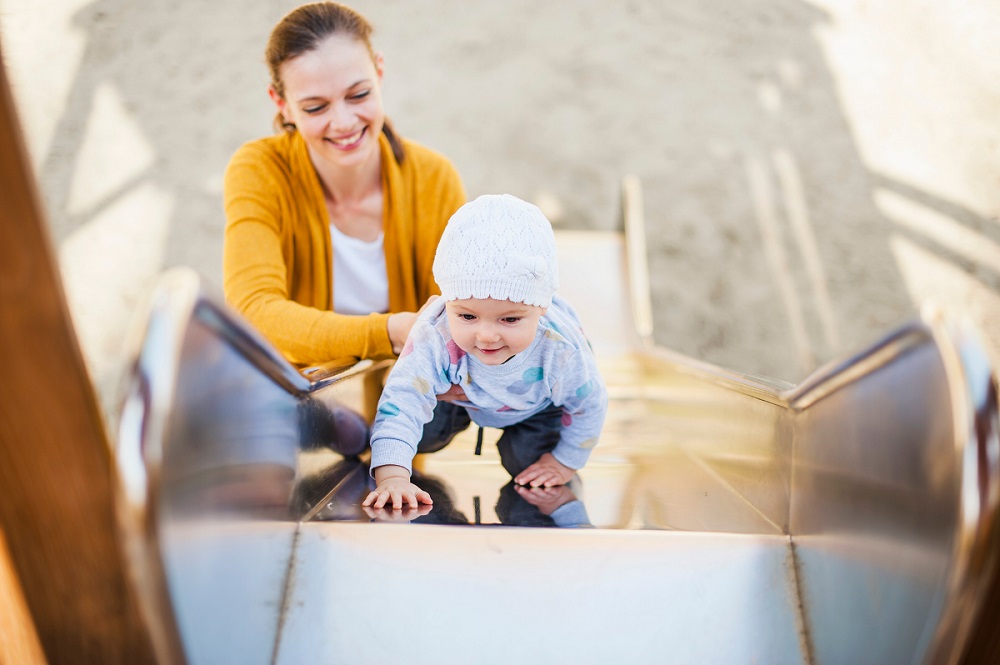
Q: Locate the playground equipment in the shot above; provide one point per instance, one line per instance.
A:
(723, 518)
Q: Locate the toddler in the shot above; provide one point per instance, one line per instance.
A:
(515, 349)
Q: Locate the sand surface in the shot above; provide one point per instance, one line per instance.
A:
(812, 171)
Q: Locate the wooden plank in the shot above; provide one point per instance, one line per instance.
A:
(19, 644)
(56, 502)
(983, 647)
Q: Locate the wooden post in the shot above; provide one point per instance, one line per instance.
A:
(19, 643)
(56, 510)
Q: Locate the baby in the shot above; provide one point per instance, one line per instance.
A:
(499, 333)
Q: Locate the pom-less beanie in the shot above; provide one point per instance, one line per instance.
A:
(499, 247)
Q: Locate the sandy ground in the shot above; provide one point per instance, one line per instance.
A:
(813, 171)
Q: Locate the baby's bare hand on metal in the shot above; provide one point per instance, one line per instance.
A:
(397, 492)
(546, 472)
(546, 499)
(407, 514)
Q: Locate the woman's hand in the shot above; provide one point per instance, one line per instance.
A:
(546, 472)
(454, 394)
(400, 324)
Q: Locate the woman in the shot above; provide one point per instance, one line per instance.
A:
(332, 224)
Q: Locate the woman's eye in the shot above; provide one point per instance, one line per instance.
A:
(314, 109)
(360, 95)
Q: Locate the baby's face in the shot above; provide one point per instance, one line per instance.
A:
(492, 330)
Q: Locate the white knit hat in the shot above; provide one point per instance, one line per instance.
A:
(499, 247)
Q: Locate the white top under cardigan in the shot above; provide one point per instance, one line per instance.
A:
(360, 282)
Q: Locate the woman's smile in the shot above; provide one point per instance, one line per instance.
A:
(349, 142)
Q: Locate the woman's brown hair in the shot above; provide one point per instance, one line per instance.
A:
(303, 29)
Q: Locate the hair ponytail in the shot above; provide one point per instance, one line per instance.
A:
(394, 142)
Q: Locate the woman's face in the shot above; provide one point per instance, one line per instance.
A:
(333, 96)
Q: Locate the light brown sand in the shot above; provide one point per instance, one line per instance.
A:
(812, 171)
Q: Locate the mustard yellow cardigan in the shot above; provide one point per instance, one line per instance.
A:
(278, 256)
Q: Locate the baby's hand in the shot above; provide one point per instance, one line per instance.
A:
(546, 499)
(546, 472)
(399, 490)
(407, 514)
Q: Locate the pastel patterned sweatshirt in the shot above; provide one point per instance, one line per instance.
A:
(557, 368)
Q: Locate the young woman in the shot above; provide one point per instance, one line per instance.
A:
(332, 224)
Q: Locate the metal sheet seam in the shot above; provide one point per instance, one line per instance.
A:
(287, 587)
(801, 616)
(722, 481)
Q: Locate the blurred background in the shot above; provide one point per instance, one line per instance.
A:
(813, 171)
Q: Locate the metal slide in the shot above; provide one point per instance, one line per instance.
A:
(723, 518)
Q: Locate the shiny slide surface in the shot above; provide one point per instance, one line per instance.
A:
(723, 518)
